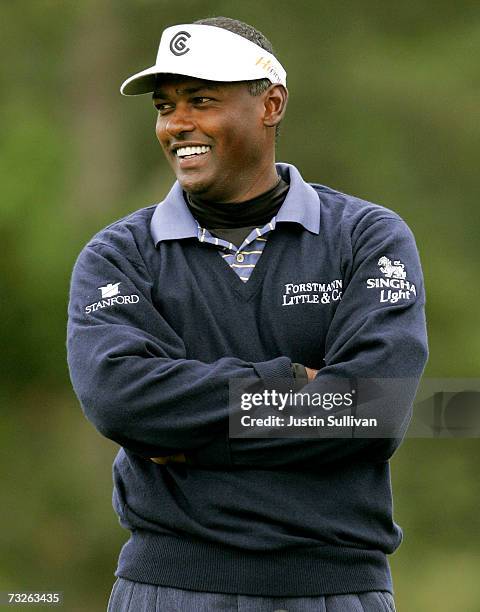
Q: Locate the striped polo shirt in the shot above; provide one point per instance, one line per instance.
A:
(242, 260)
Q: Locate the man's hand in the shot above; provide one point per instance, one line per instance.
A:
(311, 373)
(179, 458)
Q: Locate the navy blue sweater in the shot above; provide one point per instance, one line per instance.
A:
(154, 339)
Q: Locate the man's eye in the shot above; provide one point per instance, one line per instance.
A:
(201, 100)
(162, 106)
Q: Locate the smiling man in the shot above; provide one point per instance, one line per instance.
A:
(245, 271)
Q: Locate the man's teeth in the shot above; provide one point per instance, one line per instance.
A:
(184, 151)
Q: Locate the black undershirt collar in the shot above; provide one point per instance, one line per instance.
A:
(252, 213)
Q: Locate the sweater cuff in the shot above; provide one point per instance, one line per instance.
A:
(300, 375)
(276, 372)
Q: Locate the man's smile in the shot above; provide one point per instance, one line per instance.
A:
(190, 155)
(189, 151)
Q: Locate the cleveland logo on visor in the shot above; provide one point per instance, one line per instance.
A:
(178, 44)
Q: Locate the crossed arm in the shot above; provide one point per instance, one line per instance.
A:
(136, 385)
(180, 457)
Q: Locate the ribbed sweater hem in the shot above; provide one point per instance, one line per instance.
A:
(308, 571)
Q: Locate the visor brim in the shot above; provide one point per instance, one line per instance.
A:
(144, 82)
(140, 83)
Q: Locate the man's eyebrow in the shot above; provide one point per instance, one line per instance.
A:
(158, 93)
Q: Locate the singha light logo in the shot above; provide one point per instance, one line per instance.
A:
(109, 290)
(395, 270)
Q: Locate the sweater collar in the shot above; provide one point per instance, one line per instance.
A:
(173, 221)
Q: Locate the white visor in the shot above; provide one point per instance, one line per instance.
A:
(206, 52)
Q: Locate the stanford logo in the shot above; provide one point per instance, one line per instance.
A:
(110, 297)
(178, 44)
(110, 290)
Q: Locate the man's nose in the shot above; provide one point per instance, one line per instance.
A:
(179, 121)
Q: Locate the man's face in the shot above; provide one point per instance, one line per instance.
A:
(214, 137)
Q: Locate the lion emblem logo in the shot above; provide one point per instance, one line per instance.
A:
(392, 270)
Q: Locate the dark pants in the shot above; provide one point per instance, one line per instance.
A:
(128, 596)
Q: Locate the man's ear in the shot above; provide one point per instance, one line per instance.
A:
(275, 103)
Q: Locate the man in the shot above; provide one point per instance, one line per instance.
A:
(245, 271)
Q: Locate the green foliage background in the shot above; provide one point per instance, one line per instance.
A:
(383, 104)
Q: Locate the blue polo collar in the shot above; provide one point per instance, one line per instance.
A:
(173, 221)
